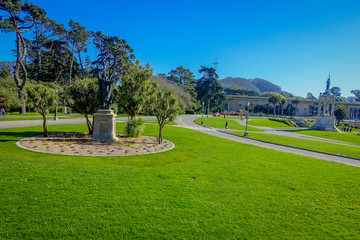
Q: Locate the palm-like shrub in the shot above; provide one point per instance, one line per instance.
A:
(134, 128)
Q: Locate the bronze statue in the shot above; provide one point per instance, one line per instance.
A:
(106, 95)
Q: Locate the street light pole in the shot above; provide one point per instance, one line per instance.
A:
(202, 113)
(247, 119)
(56, 109)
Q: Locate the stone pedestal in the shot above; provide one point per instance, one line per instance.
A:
(104, 126)
(324, 123)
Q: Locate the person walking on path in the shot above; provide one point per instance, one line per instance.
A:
(226, 125)
(2, 113)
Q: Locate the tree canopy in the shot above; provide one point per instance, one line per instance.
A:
(209, 90)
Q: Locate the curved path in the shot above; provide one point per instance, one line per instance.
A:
(286, 133)
(188, 122)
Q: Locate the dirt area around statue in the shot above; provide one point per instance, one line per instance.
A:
(80, 145)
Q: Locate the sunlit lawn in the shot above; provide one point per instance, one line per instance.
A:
(269, 123)
(220, 123)
(344, 137)
(205, 188)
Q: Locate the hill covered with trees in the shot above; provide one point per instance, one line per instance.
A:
(257, 85)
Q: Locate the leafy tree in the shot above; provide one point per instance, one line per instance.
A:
(357, 94)
(296, 102)
(185, 101)
(21, 16)
(8, 65)
(336, 91)
(135, 89)
(209, 90)
(44, 29)
(184, 78)
(78, 38)
(43, 96)
(114, 57)
(274, 98)
(83, 98)
(164, 108)
(310, 96)
(340, 113)
(240, 91)
(8, 92)
(282, 102)
(4, 73)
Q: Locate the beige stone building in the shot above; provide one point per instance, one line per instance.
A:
(293, 107)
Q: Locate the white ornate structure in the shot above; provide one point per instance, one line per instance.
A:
(325, 120)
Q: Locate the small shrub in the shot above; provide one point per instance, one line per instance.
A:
(285, 121)
(134, 128)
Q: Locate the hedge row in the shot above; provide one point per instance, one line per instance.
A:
(286, 121)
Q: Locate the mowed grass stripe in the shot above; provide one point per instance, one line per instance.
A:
(205, 188)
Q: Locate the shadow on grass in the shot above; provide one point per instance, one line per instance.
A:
(16, 136)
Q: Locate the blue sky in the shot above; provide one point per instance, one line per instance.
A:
(294, 44)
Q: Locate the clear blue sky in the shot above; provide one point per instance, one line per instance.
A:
(292, 43)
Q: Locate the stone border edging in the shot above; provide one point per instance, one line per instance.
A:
(18, 143)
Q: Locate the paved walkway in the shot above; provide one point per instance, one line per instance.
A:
(286, 133)
(33, 123)
(188, 122)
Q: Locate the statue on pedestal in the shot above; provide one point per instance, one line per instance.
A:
(106, 94)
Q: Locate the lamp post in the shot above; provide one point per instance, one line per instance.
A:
(202, 113)
(247, 119)
(56, 109)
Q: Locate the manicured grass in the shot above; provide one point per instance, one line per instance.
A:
(205, 188)
(220, 123)
(156, 123)
(344, 137)
(269, 123)
(37, 116)
(308, 144)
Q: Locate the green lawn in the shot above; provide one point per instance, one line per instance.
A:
(269, 123)
(205, 188)
(344, 137)
(307, 144)
(37, 116)
(220, 123)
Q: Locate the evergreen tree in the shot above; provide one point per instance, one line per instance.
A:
(164, 108)
(340, 113)
(43, 96)
(78, 39)
(135, 89)
(21, 16)
(184, 78)
(83, 98)
(209, 90)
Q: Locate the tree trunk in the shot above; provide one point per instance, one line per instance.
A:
(44, 126)
(71, 65)
(22, 100)
(274, 109)
(19, 58)
(81, 65)
(38, 52)
(89, 125)
(160, 134)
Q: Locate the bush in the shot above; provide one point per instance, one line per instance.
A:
(286, 121)
(134, 128)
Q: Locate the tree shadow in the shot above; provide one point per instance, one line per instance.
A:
(16, 136)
